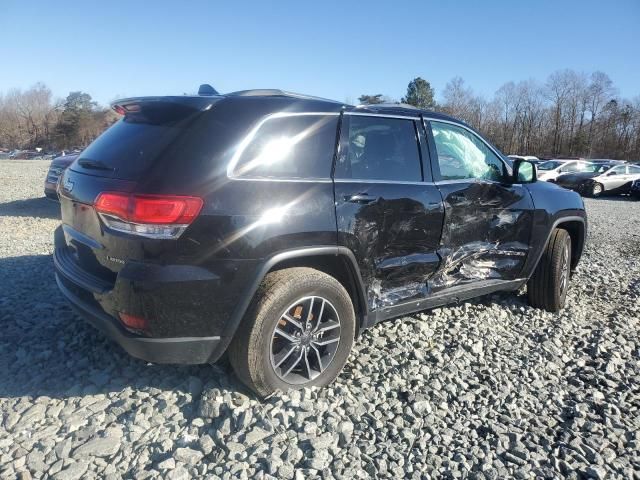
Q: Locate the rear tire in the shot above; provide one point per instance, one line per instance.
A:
(278, 328)
(548, 286)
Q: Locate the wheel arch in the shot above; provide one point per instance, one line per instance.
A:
(576, 226)
(577, 233)
(338, 262)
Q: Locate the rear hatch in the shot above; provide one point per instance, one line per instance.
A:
(125, 160)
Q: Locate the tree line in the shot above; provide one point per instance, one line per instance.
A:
(32, 118)
(571, 114)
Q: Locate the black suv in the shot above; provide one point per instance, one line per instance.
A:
(276, 227)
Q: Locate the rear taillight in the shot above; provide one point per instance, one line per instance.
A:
(131, 322)
(154, 216)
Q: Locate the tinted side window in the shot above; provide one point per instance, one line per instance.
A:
(298, 146)
(618, 170)
(463, 155)
(380, 148)
(634, 170)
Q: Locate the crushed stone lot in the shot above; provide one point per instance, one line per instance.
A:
(490, 388)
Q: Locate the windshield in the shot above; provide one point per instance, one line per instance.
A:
(550, 165)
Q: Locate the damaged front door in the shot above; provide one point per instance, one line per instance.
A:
(488, 220)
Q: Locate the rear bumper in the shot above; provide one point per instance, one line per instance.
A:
(181, 350)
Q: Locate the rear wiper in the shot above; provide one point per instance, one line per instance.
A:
(94, 165)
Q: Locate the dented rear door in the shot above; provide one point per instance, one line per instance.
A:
(386, 213)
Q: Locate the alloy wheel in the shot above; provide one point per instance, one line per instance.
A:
(305, 340)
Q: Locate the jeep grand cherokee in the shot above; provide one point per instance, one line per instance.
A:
(278, 226)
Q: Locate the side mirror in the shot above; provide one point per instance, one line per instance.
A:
(524, 171)
(612, 173)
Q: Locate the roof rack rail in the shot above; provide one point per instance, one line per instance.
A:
(259, 92)
(387, 105)
(275, 92)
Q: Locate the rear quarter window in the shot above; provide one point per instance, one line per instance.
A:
(291, 146)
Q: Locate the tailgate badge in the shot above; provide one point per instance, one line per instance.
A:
(68, 184)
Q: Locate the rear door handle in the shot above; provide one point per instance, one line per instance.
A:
(360, 198)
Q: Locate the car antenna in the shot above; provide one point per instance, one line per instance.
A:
(206, 89)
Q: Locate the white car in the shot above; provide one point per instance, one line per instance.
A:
(550, 170)
(530, 158)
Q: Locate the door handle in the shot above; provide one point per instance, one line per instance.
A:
(360, 198)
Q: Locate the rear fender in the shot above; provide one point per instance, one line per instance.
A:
(283, 259)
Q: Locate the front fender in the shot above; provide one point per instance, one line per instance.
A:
(555, 207)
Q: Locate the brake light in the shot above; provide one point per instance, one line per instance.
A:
(132, 322)
(128, 108)
(155, 216)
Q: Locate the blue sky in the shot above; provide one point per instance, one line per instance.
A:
(332, 49)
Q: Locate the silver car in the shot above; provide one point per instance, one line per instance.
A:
(601, 178)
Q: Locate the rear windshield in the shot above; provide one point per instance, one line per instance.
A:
(132, 145)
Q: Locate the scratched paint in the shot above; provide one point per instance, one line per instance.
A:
(478, 261)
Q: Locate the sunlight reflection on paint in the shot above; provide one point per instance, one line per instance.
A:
(273, 215)
(275, 151)
(268, 217)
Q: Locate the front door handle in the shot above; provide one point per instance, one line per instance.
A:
(360, 198)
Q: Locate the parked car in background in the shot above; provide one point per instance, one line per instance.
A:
(531, 158)
(600, 178)
(278, 226)
(635, 189)
(58, 165)
(607, 161)
(550, 170)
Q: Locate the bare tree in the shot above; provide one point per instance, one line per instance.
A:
(32, 118)
(572, 114)
(601, 92)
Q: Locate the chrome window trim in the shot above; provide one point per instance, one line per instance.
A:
(453, 181)
(472, 180)
(251, 135)
(284, 179)
(376, 181)
(456, 124)
(383, 115)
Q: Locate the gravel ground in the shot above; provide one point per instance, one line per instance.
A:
(487, 389)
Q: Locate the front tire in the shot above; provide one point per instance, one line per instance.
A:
(548, 286)
(297, 333)
(596, 190)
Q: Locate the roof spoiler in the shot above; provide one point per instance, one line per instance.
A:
(134, 105)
